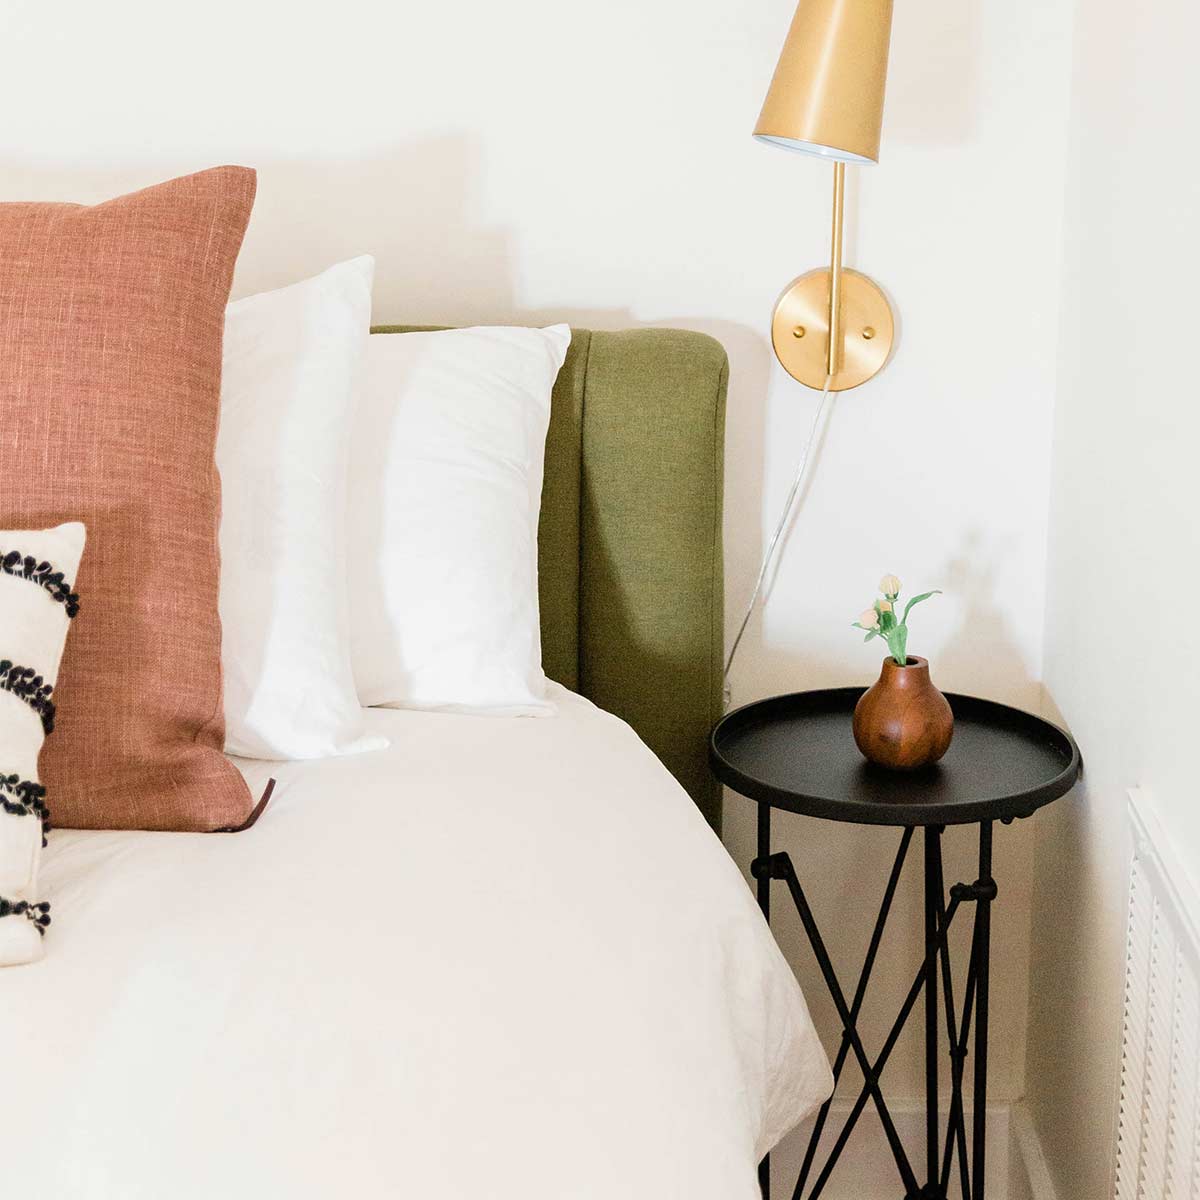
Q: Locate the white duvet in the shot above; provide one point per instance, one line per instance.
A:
(503, 959)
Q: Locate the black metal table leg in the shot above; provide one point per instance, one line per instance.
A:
(934, 972)
(780, 867)
(933, 896)
(956, 1134)
(981, 952)
(860, 993)
(764, 903)
(764, 852)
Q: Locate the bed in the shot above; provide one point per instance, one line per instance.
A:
(506, 957)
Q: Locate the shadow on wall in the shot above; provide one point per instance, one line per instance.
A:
(414, 208)
(933, 74)
(812, 468)
(417, 209)
(982, 656)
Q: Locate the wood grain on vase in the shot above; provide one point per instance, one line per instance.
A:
(903, 721)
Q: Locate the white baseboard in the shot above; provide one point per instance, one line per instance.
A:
(1016, 1169)
(1029, 1174)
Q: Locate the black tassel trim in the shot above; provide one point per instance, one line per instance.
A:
(39, 914)
(28, 799)
(27, 685)
(25, 566)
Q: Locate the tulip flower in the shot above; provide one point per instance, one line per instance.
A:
(880, 620)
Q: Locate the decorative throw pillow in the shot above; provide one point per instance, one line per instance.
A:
(37, 604)
(293, 370)
(110, 367)
(445, 492)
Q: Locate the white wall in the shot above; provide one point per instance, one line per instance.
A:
(539, 160)
(1122, 645)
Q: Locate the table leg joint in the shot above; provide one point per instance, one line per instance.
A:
(772, 866)
(981, 889)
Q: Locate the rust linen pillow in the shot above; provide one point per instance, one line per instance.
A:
(111, 320)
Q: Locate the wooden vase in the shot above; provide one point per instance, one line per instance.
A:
(903, 721)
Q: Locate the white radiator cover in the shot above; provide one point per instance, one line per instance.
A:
(1158, 1133)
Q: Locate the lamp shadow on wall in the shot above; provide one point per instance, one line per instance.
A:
(933, 73)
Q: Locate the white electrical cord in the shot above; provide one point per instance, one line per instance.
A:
(793, 492)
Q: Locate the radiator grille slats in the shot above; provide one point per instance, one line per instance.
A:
(1159, 1038)
(1158, 1133)
(1132, 1122)
(1183, 1130)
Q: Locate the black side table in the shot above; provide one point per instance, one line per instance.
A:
(797, 753)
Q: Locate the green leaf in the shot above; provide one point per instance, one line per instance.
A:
(872, 634)
(887, 620)
(917, 600)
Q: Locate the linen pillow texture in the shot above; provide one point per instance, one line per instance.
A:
(445, 492)
(111, 319)
(37, 605)
(293, 369)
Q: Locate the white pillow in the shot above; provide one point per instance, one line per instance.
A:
(292, 372)
(37, 602)
(445, 490)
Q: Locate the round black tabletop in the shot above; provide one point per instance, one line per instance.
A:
(797, 753)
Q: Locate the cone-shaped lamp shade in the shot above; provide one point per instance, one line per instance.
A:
(827, 94)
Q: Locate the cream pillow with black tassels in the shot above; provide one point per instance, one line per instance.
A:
(37, 604)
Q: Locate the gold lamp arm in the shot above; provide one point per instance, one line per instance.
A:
(834, 357)
(833, 324)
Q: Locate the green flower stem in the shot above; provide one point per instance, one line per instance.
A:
(897, 640)
(890, 627)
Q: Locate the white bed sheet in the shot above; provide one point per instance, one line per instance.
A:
(504, 958)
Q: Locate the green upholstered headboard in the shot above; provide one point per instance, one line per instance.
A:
(629, 547)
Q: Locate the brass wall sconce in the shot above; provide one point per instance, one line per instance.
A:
(832, 325)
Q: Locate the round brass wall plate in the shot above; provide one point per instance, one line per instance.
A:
(800, 329)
